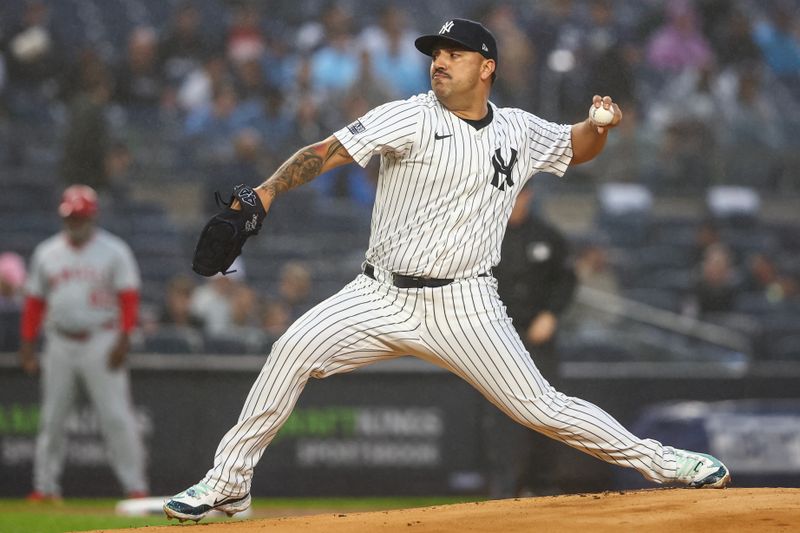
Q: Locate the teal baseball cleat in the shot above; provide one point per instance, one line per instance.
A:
(699, 470)
(197, 501)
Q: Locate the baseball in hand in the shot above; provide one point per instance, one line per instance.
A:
(601, 116)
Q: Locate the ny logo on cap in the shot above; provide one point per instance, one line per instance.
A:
(446, 28)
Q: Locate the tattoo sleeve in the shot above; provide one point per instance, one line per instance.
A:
(303, 166)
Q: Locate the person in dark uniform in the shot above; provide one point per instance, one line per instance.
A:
(537, 283)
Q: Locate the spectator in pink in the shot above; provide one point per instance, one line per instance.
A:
(679, 44)
(12, 277)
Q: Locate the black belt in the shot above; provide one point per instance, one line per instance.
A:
(82, 336)
(412, 282)
(77, 336)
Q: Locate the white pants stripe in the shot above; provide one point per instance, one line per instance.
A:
(462, 327)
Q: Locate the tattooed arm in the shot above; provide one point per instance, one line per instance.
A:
(305, 165)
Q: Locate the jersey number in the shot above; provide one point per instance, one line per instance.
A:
(101, 298)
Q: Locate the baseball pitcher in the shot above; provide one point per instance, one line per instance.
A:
(452, 164)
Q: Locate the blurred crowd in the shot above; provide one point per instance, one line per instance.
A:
(710, 90)
(223, 314)
(227, 312)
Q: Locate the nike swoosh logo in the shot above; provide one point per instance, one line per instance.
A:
(227, 499)
(440, 137)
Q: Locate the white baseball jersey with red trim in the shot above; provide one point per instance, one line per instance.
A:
(81, 284)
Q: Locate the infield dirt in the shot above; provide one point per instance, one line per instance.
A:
(657, 510)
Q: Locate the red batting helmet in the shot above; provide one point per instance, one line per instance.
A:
(78, 201)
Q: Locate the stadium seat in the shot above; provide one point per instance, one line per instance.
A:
(756, 304)
(607, 348)
(666, 299)
(9, 330)
(624, 213)
(665, 227)
(36, 221)
(674, 279)
(239, 341)
(21, 242)
(225, 345)
(664, 256)
(734, 206)
(750, 240)
(784, 348)
(775, 330)
(173, 340)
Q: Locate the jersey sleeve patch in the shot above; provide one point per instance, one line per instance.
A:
(356, 127)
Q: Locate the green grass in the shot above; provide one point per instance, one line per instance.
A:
(19, 516)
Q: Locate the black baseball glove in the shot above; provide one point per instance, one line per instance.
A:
(224, 235)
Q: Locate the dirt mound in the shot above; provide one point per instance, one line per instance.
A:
(683, 510)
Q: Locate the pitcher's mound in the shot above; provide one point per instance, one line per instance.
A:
(681, 510)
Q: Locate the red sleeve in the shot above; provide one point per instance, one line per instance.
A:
(32, 315)
(128, 310)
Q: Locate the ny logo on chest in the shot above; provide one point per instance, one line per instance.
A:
(501, 167)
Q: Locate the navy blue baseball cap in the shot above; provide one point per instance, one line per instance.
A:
(467, 33)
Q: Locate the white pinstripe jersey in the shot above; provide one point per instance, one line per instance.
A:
(445, 189)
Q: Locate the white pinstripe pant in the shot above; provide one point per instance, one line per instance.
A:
(462, 327)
